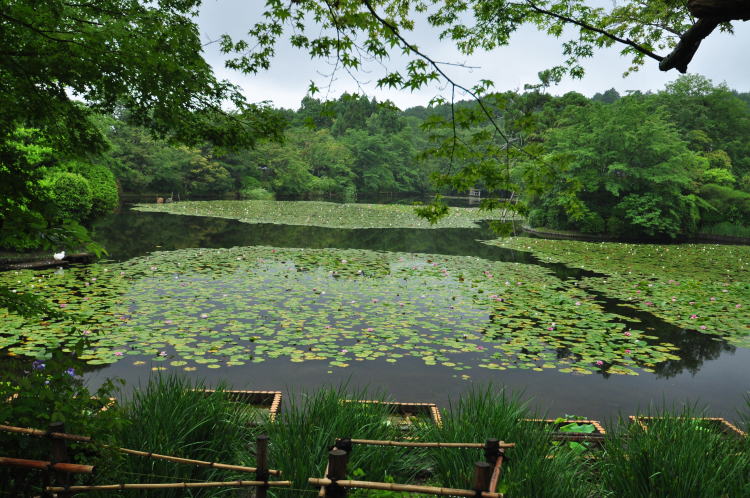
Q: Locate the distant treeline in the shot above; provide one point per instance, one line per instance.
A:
(658, 164)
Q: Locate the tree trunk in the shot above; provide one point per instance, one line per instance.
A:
(725, 9)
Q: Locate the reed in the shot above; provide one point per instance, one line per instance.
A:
(674, 456)
(310, 423)
(169, 416)
(490, 412)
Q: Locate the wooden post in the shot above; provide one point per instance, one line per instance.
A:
(491, 450)
(261, 455)
(482, 476)
(337, 460)
(59, 453)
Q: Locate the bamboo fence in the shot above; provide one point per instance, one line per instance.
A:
(166, 485)
(70, 468)
(721, 424)
(409, 488)
(147, 454)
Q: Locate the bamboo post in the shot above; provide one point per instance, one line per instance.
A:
(498, 469)
(60, 455)
(491, 450)
(337, 460)
(261, 455)
(482, 476)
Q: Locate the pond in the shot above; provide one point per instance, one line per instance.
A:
(419, 312)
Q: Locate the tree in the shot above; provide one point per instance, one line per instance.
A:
(621, 167)
(355, 32)
(60, 61)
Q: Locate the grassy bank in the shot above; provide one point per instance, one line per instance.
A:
(672, 456)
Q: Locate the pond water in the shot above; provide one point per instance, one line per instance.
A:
(414, 312)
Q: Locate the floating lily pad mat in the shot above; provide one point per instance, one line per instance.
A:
(704, 287)
(325, 214)
(225, 307)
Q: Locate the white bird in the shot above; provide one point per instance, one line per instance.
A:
(59, 256)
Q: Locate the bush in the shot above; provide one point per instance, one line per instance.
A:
(728, 229)
(727, 204)
(592, 223)
(104, 194)
(52, 391)
(71, 194)
(256, 194)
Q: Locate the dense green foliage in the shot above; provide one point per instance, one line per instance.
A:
(339, 149)
(661, 165)
(170, 416)
(62, 63)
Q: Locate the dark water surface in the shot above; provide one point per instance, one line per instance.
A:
(709, 371)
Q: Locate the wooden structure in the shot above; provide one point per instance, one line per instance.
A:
(270, 400)
(475, 192)
(595, 438)
(486, 473)
(60, 470)
(407, 412)
(721, 425)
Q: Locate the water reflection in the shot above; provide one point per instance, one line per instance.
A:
(129, 234)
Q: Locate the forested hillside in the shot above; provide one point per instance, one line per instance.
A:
(658, 165)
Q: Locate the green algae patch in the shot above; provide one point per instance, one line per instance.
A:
(702, 287)
(220, 308)
(324, 214)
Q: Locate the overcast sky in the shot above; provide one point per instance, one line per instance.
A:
(721, 57)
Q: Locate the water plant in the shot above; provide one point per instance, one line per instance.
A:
(310, 423)
(674, 456)
(199, 308)
(492, 412)
(171, 416)
(326, 214)
(701, 287)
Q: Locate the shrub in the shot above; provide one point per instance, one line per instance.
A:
(49, 391)
(592, 223)
(104, 194)
(727, 204)
(71, 194)
(256, 194)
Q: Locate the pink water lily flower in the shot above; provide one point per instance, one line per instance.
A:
(693, 317)
(627, 351)
(599, 362)
(118, 353)
(578, 303)
(162, 353)
(369, 329)
(628, 334)
(703, 327)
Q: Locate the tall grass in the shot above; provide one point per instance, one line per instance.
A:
(310, 423)
(168, 416)
(493, 413)
(674, 457)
